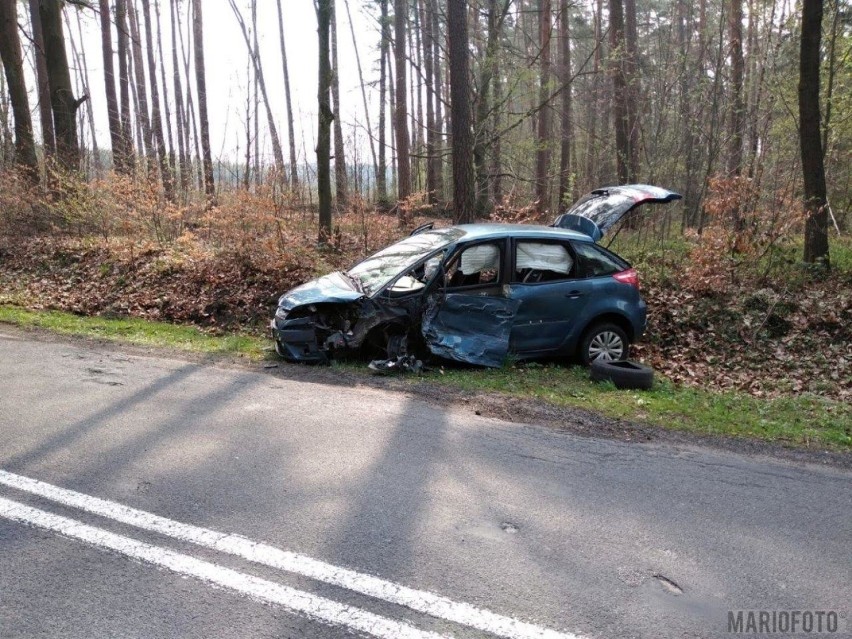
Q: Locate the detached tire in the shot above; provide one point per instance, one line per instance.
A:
(624, 374)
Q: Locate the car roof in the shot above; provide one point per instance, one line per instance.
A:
(487, 231)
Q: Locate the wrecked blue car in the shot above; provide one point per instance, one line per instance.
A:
(479, 293)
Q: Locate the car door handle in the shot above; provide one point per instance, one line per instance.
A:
(574, 294)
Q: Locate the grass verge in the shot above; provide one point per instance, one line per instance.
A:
(804, 420)
(136, 331)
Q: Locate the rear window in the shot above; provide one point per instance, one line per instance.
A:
(596, 261)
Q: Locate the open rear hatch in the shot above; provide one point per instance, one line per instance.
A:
(601, 209)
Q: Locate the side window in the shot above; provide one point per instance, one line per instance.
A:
(542, 262)
(593, 261)
(476, 265)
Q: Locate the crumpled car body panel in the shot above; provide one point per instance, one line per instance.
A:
(473, 329)
(332, 288)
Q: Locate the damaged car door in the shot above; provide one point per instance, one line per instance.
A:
(470, 319)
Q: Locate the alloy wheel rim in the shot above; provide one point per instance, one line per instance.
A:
(606, 346)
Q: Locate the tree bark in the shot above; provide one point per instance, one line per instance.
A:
(201, 83)
(156, 117)
(124, 84)
(566, 177)
(340, 178)
(113, 114)
(384, 45)
(542, 161)
(62, 100)
(323, 8)
(737, 109)
(143, 115)
(294, 169)
(277, 152)
(633, 90)
(816, 225)
(183, 151)
(13, 67)
(462, 135)
(619, 86)
(403, 160)
(48, 137)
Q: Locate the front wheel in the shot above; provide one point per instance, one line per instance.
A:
(604, 342)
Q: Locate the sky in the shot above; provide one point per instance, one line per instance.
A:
(228, 78)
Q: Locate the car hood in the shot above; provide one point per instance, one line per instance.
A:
(334, 288)
(601, 209)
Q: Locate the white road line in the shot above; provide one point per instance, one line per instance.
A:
(317, 608)
(419, 600)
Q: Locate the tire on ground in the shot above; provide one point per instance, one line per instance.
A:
(625, 374)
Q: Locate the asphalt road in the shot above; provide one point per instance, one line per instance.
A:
(446, 522)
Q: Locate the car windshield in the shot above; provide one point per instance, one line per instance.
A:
(379, 269)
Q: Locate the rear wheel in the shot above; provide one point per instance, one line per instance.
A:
(604, 342)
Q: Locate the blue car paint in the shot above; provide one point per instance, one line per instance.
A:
(478, 329)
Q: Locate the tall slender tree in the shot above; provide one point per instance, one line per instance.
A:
(13, 67)
(813, 169)
(48, 137)
(566, 177)
(619, 89)
(340, 179)
(113, 114)
(462, 134)
(542, 158)
(403, 159)
(62, 100)
(124, 82)
(156, 114)
(201, 84)
(254, 53)
(291, 136)
(323, 9)
(384, 46)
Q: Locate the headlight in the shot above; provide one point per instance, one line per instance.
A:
(280, 314)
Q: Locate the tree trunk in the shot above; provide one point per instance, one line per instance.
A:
(381, 175)
(340, 179)
(113, 115)
(48, 137)
(156, 117)
(363, 89)
(13, 66)
(124, 84)
(633, 90)
(737, 109)
(143, 113)
(183, 151)
(294, 169)
(62, 99)
(167, 112)
(462, 135)
(277, 152)
(619, 86)
(201, 82)
(436, 84)
(403, 159)
(816, 225)
(566, 178)
(323, 8)
(542, 158)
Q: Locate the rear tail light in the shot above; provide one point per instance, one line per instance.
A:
(630, 276)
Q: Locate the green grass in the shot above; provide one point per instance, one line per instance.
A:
(136, 331)
(804, 420)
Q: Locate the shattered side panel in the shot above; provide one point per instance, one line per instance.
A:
(470, 328)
